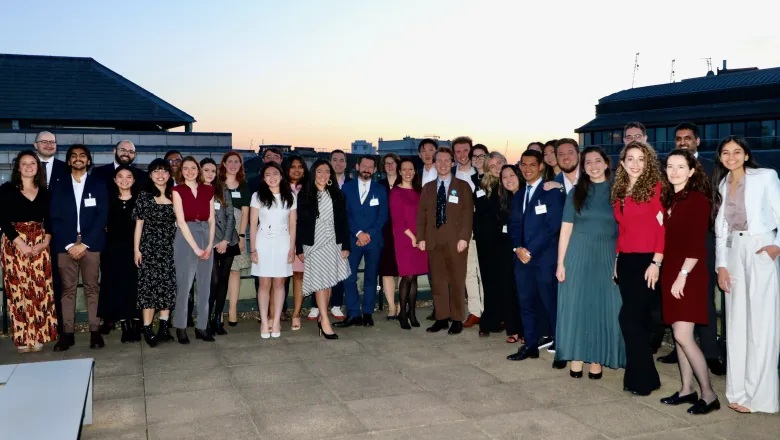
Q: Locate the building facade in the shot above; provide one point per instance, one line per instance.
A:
(406, 146)
(363, 147)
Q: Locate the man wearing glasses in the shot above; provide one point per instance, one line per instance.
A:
(46, 146)
(124, 154)
(634, 131)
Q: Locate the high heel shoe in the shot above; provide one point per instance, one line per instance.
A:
(595, 376)
(575, 374)
(404, 322)
(181, 335)
(204, 335)
(327, 336)
(233, 323)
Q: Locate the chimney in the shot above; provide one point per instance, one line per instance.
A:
(724, 65)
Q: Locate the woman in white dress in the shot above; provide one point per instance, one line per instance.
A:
(272, 219)
(747, 214)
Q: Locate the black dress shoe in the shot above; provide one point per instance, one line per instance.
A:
(413, 319)
(676, 398)
(702, 407)
(181, 335)
(439, 325)
(64, 342)
(404, 322)
(716, 367)
(575, 374)
(559, 365)
(233, 323)
(456, 328)
(204, 335)
(595, 376)
(642, 393)
(524, 352)
(96, 340)
(349, 322)
(670, 358)
(368, 320)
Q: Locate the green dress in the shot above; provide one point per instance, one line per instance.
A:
(588, 301)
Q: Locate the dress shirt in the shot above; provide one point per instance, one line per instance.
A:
(363, 189)
(78, 191)
(49, 164)
(569, 185)
(466, 176)
(530, 187)
(446, 184)
(429, 175)
(341, 182)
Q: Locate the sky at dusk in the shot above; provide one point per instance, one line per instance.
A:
(325, 73)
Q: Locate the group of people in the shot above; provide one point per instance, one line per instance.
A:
(554, 251)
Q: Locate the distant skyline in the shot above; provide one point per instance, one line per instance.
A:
(324, 74)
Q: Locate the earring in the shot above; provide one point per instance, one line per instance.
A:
(330, 182)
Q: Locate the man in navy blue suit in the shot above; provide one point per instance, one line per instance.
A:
(79, 213)
(124, 154)
(535, 224)
(367, 209)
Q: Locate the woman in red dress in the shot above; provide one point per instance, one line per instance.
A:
(684, 278)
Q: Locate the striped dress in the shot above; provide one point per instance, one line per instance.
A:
(323, 265)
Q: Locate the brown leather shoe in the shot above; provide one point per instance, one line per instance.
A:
(470, 321)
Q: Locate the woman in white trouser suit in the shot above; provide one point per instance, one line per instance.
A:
(747, 208)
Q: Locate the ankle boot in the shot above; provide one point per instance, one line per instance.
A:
(64, 342)
(164, 331)
(136, 330)
(181, 335)
(96, 340)
(127, 335)
(149, 336)
(204, 335)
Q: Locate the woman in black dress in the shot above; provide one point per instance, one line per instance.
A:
(153, 248)
(388, 268)
(118, 293)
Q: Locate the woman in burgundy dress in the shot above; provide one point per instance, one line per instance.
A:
(404, 200)
(684, 278)
(388, 269)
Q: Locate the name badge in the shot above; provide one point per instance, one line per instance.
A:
(480, 193)
(729, 241)
(541, 209)
(235, 194)
(90, 202)
(217, 206)
(374, 202)
(504, 229)
(453, 199)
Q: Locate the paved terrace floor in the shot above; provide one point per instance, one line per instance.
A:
(373, 383)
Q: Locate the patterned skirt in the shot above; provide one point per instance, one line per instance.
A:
(29, 287)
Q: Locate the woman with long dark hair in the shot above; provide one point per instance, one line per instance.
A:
(388, 268)
(636, 201)
(298, 177)
(26, 258)
(272, 219)
(684, 280)
(322, 239)
(746, 209)
(410, 260)
(225, 245)
(231, 173)
(155, 227)
(551, 168)
(588, 300)
(118, 292)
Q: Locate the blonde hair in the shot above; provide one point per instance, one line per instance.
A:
(489, 181)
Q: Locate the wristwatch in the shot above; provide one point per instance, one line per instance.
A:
(684, 272)
(657, 263)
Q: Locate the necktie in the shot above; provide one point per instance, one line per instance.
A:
(363, 193)
(441, 206)
(528, 190)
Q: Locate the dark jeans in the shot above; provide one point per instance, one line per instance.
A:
(220, 274)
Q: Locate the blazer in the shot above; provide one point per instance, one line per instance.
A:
(371, 215)
(706, 163)
(93, 219)
(106, 174)
(762, 206)
(225, 220)
(307, 220)
(538, 232)
(59, 173)
(460, 216)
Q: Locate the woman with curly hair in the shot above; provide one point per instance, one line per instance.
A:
(684, 282)
(636, 202)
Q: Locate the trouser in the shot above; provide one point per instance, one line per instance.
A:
(57, 287)
(189, 268)
(500, 300)
(336, 296)
(89, 265)
(370, 273)
(635, 318)
(448, 282)
(753, 322)
(537, 295)
(220, 274)
(474, 287)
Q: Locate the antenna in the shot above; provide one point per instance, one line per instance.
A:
(709, 64)
(636, 67)
(671, 77)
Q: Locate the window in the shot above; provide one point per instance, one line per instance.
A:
(617, 137)
(724, 130)
(768, 128)
(738, 129)
(651, 136)
(660, 136)
(582, 139)
(596, 138)
(606, 138)
(711, 132)
(753, 129)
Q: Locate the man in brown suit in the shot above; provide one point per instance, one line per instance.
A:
(443, 230)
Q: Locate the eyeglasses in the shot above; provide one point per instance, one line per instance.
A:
(125, 151)
(174, 161)
(47, 142)
(160, 171)
(633, 137)
(272, 157)
(478, 156)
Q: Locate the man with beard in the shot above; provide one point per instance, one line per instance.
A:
(124, 154)
(79, 213)
(367, 209)
(567, 153)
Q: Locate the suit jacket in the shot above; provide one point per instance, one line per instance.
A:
(460, 216)
(538, 232)
(307, 221)
(106, 174)
(762, 206)
(708, 165)
(93, 219)
(59, 173)
(225, 220)
(366, 217)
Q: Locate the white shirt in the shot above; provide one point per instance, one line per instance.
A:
(49, 164)
(696, 155)
(78, 191)
(363, 189)
(532, 189)
(569, 185)
(341, 182)
(429, 175)
(466, 176)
